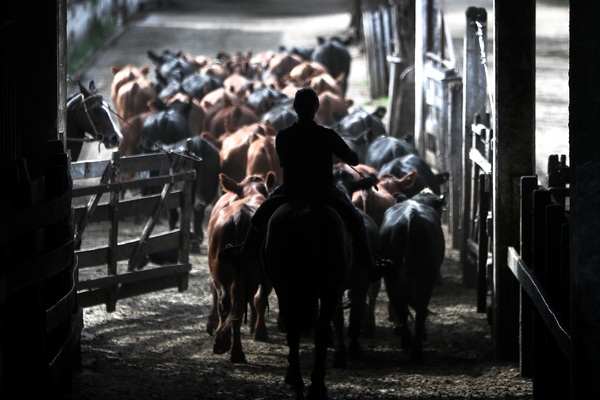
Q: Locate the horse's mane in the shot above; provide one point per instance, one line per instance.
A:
(72, 96)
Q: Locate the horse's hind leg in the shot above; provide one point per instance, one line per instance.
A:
(358, 307)
(318, 390)
(293, 376)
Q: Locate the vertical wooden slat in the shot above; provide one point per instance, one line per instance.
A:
(528, 185)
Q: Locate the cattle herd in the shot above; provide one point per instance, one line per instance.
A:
(231, 106)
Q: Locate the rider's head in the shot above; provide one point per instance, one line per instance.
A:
(306, 103)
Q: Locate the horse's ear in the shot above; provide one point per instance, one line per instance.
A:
(270, 180)
(82, 89)
(92, 87)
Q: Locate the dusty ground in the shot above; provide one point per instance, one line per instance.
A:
(155, 346)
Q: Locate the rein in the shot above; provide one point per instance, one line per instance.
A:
(99, 137)
(362, 176)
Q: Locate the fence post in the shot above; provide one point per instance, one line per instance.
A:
(401, 90)
(474, 103)
(514, 156)
(528, 185)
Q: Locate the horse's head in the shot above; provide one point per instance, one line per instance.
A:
(88, 112)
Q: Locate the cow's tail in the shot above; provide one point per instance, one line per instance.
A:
(411, 259)
(240, 289)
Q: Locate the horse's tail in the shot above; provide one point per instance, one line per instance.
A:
(307, 260)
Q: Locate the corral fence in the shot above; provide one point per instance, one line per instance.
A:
(401, 57)
(118, 268)
(453, 120)
(40, 319)
(542, 267)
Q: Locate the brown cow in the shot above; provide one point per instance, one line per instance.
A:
(332, 108)
(228, 117)
(263, 158)
(238, 84)
(215, 69)
(122, 75)
(235, 145)
(305, 70)
(325, 82)
(393, 185)
(133, 97)
(218, 97)
(232, 289)
(281, 64)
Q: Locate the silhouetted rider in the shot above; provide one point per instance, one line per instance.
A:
(306, 151)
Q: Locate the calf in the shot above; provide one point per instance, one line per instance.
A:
(232, 289)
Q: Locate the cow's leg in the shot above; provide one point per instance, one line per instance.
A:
(369, 321)
(212, 321)
(260, 306)
(339, 354)
(173, 215)
(198, 219)
(424, 292)
(237, 352)
(358, 300)
(222, 342)
(317, 389)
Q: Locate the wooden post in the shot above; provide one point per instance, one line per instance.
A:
(584, 120)
(474, 103)
(528, 185)
(514, 156)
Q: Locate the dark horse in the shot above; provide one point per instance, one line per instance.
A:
(88, 113)
(307, 258)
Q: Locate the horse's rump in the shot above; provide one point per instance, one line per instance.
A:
(307, 259)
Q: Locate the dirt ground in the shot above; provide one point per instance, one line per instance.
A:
(155, 346)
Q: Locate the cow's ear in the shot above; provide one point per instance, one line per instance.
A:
(228, 184)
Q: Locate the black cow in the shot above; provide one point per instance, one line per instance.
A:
(264, 98)
(206, 184)
(167, 126)
(384, 149)
(361, 120)
(279, 117)
(198, 84)
(334, 55)
(170, 68)
(360, 128)
(412, 237)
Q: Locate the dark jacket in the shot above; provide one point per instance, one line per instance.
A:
(306, 152)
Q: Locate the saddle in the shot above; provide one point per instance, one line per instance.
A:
(261, 218)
